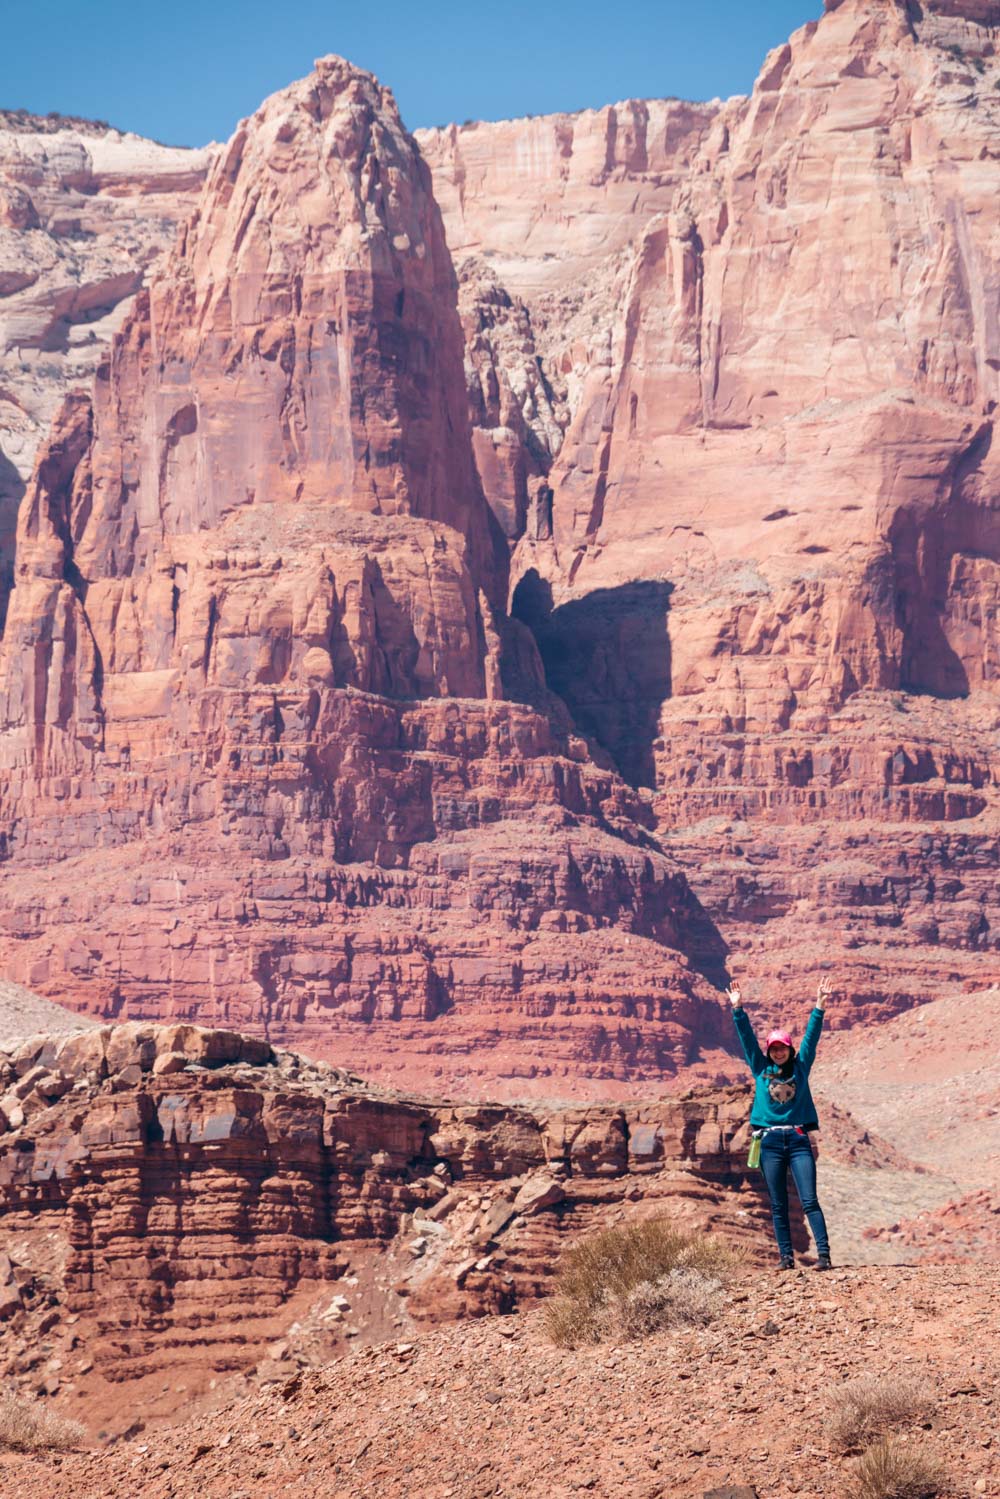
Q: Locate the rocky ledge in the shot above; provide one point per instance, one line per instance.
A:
(175, 1198)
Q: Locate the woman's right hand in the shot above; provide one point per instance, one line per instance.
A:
(735, 995)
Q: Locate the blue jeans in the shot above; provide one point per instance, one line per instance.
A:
(782, 1151)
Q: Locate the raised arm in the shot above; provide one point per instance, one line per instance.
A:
(756, 1059)
(807, 1051)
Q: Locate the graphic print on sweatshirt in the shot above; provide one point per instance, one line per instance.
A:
(781, 1089)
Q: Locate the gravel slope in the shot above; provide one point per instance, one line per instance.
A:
(23, 1014)
(491, 1409)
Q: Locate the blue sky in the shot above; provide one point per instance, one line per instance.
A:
(185, 72)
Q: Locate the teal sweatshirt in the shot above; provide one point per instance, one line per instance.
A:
(778, 1099)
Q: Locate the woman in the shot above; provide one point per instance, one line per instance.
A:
(783, 1113)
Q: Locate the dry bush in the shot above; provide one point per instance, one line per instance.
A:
(890, 1470)
(867, 1407)
(682, 1298)
(29, 1426)
(627, 1282)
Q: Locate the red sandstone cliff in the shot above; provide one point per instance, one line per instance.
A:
(767, 577)
(442, 668)
(84, 212)
(256, 678)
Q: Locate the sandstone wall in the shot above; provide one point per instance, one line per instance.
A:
(256, 676)
(766, 577)
(452, 657)
(84, 213)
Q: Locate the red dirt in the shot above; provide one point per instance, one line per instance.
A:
(491, 1409)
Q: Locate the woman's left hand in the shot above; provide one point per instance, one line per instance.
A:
(823, 992)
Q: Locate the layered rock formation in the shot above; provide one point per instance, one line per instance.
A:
(256, 680)
(84, 211)
(768, 578)
(177, 1195)
(445, 656)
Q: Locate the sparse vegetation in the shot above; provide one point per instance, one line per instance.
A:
(47, 124)
(874, 1404)
(628, 1282)
(30, 1426)
(893, 1470)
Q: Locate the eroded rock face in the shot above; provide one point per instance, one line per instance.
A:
(303, 344)
(84, 212)
(203, 1182)
(448, 681)
(256, 676)
(769, 582)
(542, 215)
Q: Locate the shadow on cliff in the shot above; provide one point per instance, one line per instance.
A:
(607, 655)
(935, 557)
(12, 489)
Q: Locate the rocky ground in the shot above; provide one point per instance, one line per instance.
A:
(354, 1395)
(491, 1408)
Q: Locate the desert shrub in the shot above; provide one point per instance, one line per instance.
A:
(29, 1426)
(891, 1470)
(680, 1298)
(868, 1407)
(627, 1282)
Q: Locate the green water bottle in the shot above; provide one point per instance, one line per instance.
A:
(753, 1156)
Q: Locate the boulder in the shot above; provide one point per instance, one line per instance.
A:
(168, 1062)
(52, 1085)
(495, 1217)
(539, 1193)
(130, 1044)
(83, 1055)
(128, 1077)
(28, 1080)
(25, 1058)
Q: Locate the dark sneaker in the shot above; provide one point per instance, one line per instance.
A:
(787, 1263)
(823, 1263)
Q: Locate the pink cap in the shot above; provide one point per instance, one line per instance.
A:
(780, 1036)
